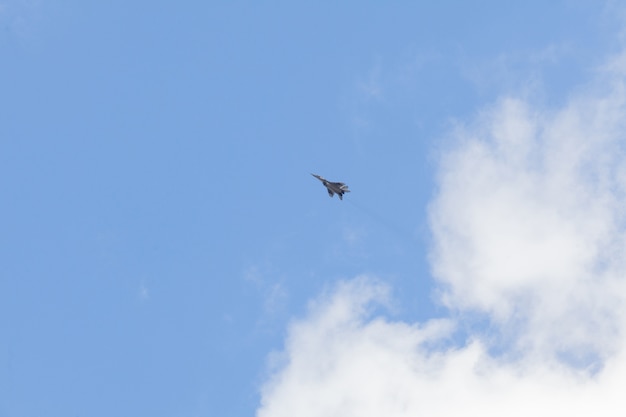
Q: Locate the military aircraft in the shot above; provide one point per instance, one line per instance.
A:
(333, 188)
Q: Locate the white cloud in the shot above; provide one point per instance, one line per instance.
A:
(529, 226)
(529, 236)
(340, 362)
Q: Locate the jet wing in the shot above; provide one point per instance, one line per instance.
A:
(330, 192)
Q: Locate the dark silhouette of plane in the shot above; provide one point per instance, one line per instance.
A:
(333, 188)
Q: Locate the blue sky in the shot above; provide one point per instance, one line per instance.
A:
(165, 252)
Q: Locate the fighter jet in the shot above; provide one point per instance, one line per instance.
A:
(333, 188)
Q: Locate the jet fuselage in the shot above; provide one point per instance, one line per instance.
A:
(333, 188)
